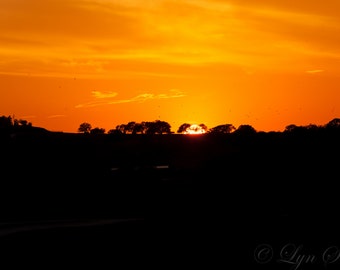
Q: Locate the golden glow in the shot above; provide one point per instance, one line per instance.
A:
(194, 130)
(265, 63)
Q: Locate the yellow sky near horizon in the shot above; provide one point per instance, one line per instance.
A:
(265, 63)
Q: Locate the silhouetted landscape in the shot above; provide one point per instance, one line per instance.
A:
(207, 200)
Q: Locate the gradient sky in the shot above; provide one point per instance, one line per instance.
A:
(265, 63)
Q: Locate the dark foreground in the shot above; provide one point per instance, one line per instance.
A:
(259, 202)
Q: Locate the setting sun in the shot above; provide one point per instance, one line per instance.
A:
(195, 129)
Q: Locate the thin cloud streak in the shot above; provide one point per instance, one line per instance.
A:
(315, 71)
(100, 95)
(174, 93)
(56, 116)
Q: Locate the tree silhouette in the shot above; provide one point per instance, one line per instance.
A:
(182, 128)
(163, 127)
(97, 130)
(21, 123)
(204, 127)
(245, 130)
(121, 128)
(224, 129)
(312, 127)
(301, 129)
(130, 127)
(114, 131)
(139, 128)
(133, 128)
(157, 127)
(85, 128)
(291, 128)
(334, 123)
(6, 122)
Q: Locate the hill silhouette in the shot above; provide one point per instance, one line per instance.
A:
(217, 195)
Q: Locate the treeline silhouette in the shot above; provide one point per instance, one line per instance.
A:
(163, 127)
(9, 123)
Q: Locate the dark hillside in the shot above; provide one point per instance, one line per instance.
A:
(193, 191)
(259, 167)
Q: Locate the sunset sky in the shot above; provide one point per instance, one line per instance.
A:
(266, 63)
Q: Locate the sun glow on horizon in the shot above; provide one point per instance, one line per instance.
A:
(194, 130)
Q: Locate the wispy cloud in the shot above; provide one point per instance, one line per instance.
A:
(200, 32)
(108, 98)
(314, 71)
(100, 95)
(56, 116)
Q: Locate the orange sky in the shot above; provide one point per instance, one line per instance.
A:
(265, 63)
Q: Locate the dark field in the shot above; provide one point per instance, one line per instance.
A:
(170, 201)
